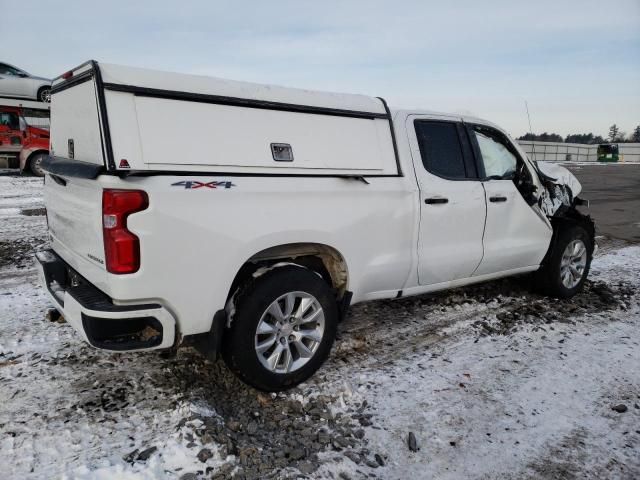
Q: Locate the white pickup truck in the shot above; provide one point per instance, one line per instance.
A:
(245, 219)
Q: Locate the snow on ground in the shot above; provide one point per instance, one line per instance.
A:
(535, 403)
(493, 381)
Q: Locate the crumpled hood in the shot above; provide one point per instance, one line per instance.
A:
(561, 176)
(561, 187)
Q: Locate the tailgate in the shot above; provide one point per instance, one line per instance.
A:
(74, 213)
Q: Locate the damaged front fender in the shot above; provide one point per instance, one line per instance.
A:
(559, 199)
(561, 188)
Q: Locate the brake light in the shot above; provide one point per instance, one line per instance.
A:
(121, 247)
(67, 75)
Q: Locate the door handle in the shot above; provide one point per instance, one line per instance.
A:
(436, 201)
(498, 199)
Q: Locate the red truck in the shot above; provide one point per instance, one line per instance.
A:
(22, 142)
(35, 148)
(10, 133)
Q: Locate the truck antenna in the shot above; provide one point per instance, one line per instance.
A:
(533, 143)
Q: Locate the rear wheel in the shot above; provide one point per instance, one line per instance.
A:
(283, 328)
(35, 164)
(568, 264)
(44, 94)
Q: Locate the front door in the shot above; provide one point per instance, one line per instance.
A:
(515, 235)
(452, 200)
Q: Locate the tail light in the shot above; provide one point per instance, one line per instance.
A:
(121, 247)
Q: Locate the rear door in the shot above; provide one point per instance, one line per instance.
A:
(452, 200)
(515, 235)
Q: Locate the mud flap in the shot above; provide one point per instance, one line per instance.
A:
(343, 305)
(209, 343)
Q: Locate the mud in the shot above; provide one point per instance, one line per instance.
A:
(19, 253)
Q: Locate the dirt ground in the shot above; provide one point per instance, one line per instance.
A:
(485, 382)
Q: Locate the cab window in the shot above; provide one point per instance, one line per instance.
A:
(441, 149)
(8, 70)
(497, 158)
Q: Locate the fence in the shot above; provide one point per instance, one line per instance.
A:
(574, 152)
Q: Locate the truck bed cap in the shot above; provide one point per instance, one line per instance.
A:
(152, 121)
(198, 84)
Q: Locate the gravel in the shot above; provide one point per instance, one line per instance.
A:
(412, 443)
(19, 253)
(230, 430)
(145, 454)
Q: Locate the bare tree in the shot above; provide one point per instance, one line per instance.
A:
(614, 131)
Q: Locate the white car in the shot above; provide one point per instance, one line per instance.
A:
(20, 84)
(244, 218)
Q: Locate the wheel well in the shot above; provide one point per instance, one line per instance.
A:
(571, 216)
(567, 217)
(33, 154)
(322, 259)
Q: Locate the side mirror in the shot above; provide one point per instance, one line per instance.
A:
(23, 74)
(528, 191)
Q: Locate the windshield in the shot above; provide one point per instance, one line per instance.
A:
(607, 149)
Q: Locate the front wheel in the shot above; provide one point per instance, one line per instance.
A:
(568, 263)
(35, 164)
(283, 328)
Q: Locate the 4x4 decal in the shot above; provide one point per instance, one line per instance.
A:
(193, 184)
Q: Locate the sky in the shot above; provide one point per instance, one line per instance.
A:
(576, 63)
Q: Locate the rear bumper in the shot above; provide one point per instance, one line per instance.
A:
(94, 315)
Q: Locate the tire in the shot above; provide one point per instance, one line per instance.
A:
(44, 94)
(281, 294)
(566, 269)
(35, 164)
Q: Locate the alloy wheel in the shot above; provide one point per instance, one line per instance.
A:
(289, 332)
(573, 263)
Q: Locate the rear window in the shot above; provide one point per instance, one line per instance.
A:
(440, 148)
